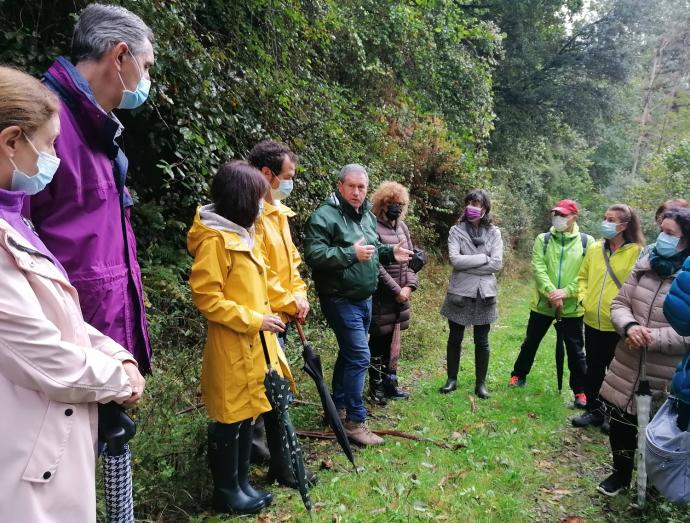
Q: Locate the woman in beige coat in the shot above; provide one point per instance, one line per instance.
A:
(54, 368)
(637, 314)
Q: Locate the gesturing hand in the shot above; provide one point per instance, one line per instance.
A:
(136, 381)
(363, 252)
(272, 323)
(401, 253)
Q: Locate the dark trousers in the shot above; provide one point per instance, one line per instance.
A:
(600, 347)
(457, 333)
(380, 348)
(623, 440)
(537, 327)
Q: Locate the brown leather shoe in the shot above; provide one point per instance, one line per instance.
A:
(360, 433)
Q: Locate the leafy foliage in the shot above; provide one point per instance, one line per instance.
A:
(534, 100)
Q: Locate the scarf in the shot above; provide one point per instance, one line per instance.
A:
(665, 267)
(477, 234)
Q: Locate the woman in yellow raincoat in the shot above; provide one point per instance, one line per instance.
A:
(229, 287)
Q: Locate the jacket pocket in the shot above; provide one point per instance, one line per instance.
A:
(105, 305)
(50, 443)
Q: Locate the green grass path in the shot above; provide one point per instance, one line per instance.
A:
(514, 457)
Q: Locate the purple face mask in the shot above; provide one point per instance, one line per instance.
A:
(473, 213)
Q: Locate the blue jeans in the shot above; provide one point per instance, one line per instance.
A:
(350, 321)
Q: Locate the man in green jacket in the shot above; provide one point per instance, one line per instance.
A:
(342, 248)
(556, 259)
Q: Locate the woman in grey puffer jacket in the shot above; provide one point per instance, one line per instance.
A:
(390, 309)
(475, 250)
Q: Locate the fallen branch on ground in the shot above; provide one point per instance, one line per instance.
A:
(395, 433)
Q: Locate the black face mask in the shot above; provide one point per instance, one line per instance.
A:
(393, 211)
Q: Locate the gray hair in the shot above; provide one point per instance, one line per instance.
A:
(352, 168)
(100, 27)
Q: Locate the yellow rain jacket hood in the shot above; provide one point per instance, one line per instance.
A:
(596, 288)
(229, 287)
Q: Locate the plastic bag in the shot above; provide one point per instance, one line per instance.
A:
(668, 455)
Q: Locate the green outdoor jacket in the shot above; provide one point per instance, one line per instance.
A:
(329, 237)
(558, 269)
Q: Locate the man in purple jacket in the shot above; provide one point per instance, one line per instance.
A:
(83, 216)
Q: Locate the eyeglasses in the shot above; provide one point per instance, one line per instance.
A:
(558, 213)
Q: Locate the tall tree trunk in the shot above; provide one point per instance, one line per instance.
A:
(647, 105)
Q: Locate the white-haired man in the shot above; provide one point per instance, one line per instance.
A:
(343, 250)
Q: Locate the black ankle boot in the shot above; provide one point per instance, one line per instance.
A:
(245, 446)
(279, 468)
(377, 392)
(223, 458)
(390, 388)
(450, 386)
(481, 366)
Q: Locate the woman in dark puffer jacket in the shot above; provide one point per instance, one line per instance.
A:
(391, 301)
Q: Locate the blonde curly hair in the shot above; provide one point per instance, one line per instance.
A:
(389, 192)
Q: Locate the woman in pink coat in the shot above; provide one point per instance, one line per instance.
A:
(54, 367)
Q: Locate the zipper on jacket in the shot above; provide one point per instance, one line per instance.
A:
(397, 237)
(651, 303)
(601, 294)
(603, 283)
(560, 264)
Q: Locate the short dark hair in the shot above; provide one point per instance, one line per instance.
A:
(236, 190)
(482, 197)
(681, 216)
(270, 154)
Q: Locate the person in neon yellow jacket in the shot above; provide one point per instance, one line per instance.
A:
(556, 259)
(597, 286)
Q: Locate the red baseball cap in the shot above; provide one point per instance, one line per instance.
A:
(566, 207)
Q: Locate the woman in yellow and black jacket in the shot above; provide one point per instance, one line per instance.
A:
(604, 269)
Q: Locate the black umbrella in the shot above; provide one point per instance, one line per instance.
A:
(312, 366)
(116, 428)
(278, 394)
(560, 348)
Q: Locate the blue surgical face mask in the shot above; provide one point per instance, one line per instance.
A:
(666, 245)
(133, 99)
(608, 230)
(46, 166)
(283, 190)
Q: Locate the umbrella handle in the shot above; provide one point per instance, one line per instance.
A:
(265, 347)
(300, 331)
(559, 313)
